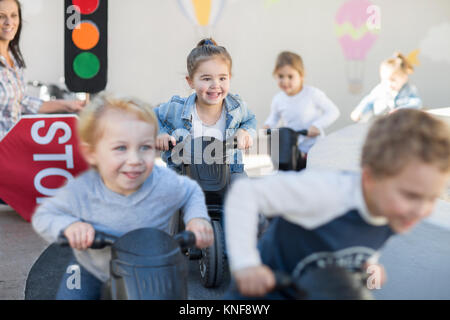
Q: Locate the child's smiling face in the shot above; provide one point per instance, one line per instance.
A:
(407, 197)
(211, 82)
(125, 153)
(289, 80)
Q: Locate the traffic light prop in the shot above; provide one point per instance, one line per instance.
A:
(85, 45)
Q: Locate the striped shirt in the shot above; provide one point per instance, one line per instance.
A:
(13, 99)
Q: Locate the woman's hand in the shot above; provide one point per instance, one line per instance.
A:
(80, 235)
(204, 235)
(72, 105)
(254, 281)
(244, 139)
(162, 141)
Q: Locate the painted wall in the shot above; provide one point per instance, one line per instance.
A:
(149, 41)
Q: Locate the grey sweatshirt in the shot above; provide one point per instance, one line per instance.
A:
(87, 199)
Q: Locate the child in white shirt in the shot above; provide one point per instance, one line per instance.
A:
(297, 105)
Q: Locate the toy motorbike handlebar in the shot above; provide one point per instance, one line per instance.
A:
(303, 132)
(171, 146)
(285, 281)
(101, 240)
(185, 239)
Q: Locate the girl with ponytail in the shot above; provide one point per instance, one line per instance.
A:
(211, 110)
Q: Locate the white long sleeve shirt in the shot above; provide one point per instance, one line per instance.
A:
(310, 107)
(319, 216)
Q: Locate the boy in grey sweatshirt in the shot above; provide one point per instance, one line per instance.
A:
(123, 191)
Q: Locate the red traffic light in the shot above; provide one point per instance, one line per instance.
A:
(86, 6)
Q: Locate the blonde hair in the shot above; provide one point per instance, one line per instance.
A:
(398, 63)
(291, 59)
(205, 50)
(89, 128)
(405, 135)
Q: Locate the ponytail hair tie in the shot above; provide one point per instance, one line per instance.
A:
(208, 42)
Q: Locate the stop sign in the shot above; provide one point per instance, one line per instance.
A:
(38, 156)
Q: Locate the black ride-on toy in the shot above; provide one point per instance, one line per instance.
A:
(289, 157)
(146, 264)
(328, 283)
(204, 159)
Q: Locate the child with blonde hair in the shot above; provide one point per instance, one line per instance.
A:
(325, 218)
(211, 110)
(122, 192)
(299, 106)
(392, 93)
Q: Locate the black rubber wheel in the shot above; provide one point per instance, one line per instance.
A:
(207, 264)
(294, 158)
(213, 262)
(221, 262)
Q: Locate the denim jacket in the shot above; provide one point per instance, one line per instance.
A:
(175, 119)
(379, 102)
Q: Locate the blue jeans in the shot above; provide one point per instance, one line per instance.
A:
(78, 284)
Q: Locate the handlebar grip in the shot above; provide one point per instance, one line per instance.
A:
(185, 239)
(171, 146)
(303, 132)
(282, 280)
(62, 241)
(101, 240)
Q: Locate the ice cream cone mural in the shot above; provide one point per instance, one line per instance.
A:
(202, 13)
(357, 26)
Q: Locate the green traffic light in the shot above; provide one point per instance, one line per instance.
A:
(86, 65)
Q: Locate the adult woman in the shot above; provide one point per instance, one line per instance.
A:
(13, 100)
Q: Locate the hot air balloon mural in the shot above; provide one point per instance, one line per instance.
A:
(202, 13)
(357, 33)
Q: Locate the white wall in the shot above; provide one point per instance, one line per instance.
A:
(150, 39)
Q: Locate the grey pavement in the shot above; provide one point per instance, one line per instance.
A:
(20, 246)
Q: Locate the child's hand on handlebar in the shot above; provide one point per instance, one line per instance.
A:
(162, 141)
(203, 231)
(80, 235)
(313, 132)
(254, 281)
(244, 139)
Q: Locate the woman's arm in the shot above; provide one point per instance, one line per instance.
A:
(54, 106)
